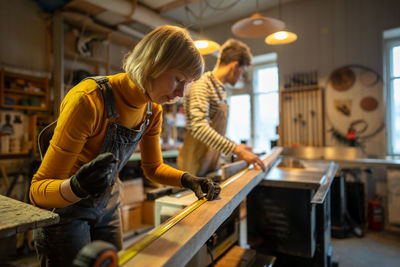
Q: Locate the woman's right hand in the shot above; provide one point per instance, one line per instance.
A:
(93, 177)
(245, 152)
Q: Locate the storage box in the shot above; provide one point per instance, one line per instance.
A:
(148, 213)
(131, 215)
(132, 191)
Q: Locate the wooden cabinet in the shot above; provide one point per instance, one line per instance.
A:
(23, 92)
(302, 116)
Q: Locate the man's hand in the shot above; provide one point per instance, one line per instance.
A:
(245, 152)
(93, 177)
(200, 186)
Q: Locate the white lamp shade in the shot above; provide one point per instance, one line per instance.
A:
(257, 26)
(206, 46)
(281, 37)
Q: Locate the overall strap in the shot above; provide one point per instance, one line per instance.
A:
(216, 87)
(108, 95)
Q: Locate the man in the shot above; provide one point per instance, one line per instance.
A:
(207, 114)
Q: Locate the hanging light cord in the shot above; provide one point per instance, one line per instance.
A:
(219, 8)
(279, 9)
(201, 16)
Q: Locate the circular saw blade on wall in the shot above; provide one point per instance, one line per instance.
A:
(361, 86)
(369, 103)
(342, 79)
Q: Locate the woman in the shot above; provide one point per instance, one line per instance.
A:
(101, 122)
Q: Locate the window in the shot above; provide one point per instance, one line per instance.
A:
(239, 118)
(254, 110)
(266, 106)
(392, 82)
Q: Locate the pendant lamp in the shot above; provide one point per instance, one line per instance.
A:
(281, 37)
(206, 47)
(257, 26)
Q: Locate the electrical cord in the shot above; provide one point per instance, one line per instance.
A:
(218, 8)
(211, 242)
(211, 255)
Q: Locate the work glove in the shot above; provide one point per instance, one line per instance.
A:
(94, 177)
(201, 186)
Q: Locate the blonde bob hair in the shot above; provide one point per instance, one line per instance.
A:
(166, 47)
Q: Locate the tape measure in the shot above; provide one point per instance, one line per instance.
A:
(129, 253)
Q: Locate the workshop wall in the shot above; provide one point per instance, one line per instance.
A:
(23, 45)
(24, 40)
(332, 33)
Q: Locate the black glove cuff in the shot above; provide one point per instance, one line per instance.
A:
(77, 189)
(184, 178)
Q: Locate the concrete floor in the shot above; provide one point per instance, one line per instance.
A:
(380, 249)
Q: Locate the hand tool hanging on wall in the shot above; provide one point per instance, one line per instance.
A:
(302, 119)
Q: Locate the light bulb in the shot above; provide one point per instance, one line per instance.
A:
(201, 44)
(280, 35)
(257, 22)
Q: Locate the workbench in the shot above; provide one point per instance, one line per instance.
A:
(180, 243)
(17, 216)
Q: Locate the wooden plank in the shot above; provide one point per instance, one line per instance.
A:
(180, 243)
(237, 257)
(17, 216)
(231, 169)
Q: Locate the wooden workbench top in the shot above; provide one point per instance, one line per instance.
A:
(17, 216)
(178, 245)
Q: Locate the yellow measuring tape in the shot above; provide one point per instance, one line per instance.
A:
(129, 253)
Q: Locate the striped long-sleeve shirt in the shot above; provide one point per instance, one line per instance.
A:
(200, 105)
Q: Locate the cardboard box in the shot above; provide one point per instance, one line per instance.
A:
(148, 213)
(132, 191)
(131, 215)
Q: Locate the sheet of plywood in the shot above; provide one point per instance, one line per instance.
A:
(180, 243)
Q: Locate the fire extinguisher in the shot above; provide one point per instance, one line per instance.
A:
(375, 213)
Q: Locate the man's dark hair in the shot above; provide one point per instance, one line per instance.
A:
(234, 50)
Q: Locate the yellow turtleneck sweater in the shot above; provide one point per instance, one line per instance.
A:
(81, 129)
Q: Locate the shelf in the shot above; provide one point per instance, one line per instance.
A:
(13, 155)
(301, 88)
(73, 56)
(12, 98)
(22, 92)
(83, 21)
(24, 107)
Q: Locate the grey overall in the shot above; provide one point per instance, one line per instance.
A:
(93, 218)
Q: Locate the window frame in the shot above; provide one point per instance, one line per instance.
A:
(389, 44)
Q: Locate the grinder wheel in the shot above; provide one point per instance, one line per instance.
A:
(97, 254)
